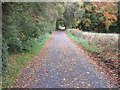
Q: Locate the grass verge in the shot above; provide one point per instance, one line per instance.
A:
(17, 61)
(108, 60)
(85, 44)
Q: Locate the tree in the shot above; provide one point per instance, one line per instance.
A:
(72, 13)
(24, 22)
(100, 16)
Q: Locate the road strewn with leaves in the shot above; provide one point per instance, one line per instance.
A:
(62, 64)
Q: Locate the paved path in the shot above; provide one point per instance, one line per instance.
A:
(62, 65)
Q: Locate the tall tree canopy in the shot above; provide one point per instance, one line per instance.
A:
(24, 22)
(99, 16)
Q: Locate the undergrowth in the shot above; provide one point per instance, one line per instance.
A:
(17, 61)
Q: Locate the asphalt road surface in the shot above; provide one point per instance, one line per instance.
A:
(62, 64)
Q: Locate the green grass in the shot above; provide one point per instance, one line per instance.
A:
(17, 61)
(85, 44)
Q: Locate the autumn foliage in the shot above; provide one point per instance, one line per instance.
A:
(100, 17)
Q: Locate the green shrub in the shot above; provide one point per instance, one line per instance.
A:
(18, 61)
